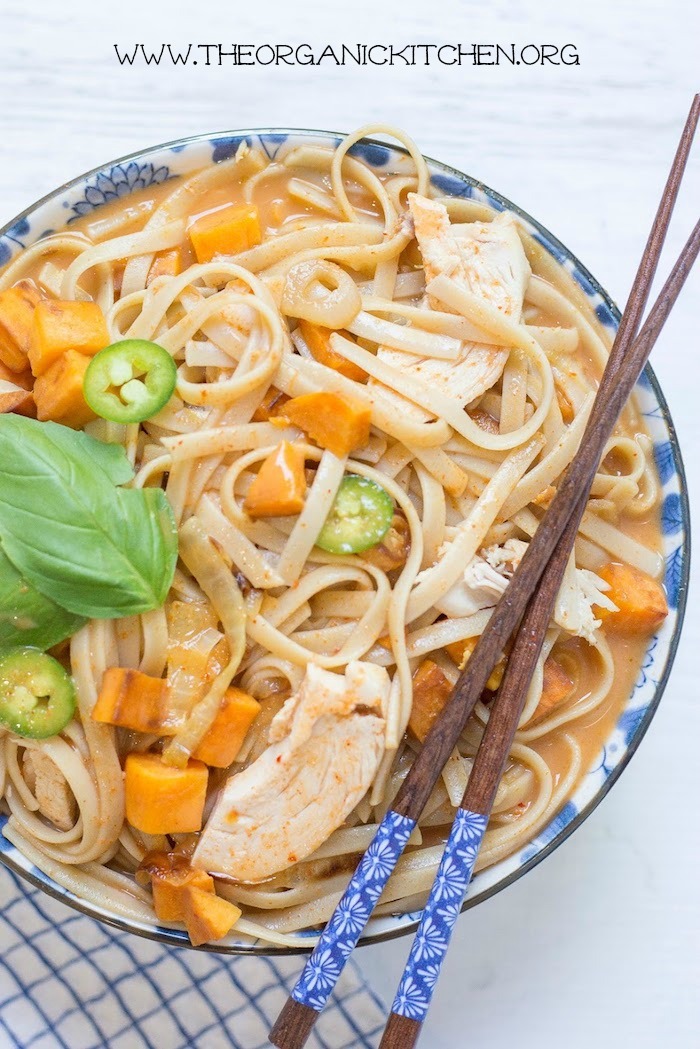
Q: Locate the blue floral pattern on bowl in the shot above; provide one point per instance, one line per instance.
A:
(118, 181)
(175, 159)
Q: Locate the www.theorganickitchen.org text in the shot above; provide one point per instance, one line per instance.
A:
(268, 54)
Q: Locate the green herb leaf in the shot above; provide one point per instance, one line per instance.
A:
(110, 459)
(97, 550)
(27, 618)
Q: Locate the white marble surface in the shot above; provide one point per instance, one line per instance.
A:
(600, 945)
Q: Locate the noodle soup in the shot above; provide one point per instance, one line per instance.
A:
(376, 389)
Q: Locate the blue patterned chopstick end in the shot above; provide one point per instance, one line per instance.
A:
(340, 936)
(440, 916)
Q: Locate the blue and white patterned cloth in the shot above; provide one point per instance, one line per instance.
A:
(67, 982)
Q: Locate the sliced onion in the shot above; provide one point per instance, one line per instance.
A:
(218, 583)
(321, 292)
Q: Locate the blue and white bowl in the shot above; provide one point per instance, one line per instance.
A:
(169, 161)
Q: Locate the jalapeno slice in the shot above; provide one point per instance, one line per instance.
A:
(37, 697)
(130, 381)
(360, 516)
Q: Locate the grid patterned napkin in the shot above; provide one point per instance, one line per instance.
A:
(67, 982)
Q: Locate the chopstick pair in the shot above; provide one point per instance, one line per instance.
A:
(528, 601)
(454, 873)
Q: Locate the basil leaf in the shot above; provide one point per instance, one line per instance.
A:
(110, 459)
(96, 550)
(27, 618)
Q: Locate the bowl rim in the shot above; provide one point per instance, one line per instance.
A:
(161, 934)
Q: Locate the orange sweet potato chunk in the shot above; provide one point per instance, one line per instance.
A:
(19, 401)
(640, 599)
(60, 326)
(135, 701)
(460, 651)
(165, 264)
(169, 891)
(337, 423)
(208, 917)
(17, 305)
(318, 339)
(280, 485)
(161, 799)
(18, 396)
(58, 392)
(271, 404)
(557, 687)
(224, 739)
(226, 231)
(431, 690)
(25, 379)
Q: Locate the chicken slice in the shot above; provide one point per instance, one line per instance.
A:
(326, 745)
(50, 788)
(487, 575)
(488, 260)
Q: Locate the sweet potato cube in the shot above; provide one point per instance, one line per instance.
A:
(15, 396)
(280, 485)
(136, 701)
(431, 690)
(318, 339)
(226, 231)
(25, 379)
(460, 652)
(208, 917)
(17, 305)
(337, 423)
(165, 264)
(161, 799)
(169, 891)
(557, 686)
(270, 405)
(225, 738)
(60, 326)
(59, 391)
(640, 599)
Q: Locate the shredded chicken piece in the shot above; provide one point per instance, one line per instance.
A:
(580, 590)
(487, 259)
(50, 788)
(326, 744)
(487, 575)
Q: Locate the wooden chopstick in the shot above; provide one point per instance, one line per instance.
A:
(444, 904)
(439, 916)
(340, 936)
(432, 938)
(438, 746)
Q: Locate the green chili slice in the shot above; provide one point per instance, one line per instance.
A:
(130, 381)
(360, 517)
(37, 696)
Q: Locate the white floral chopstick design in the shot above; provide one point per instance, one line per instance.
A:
(345, 927)
(440, 915)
